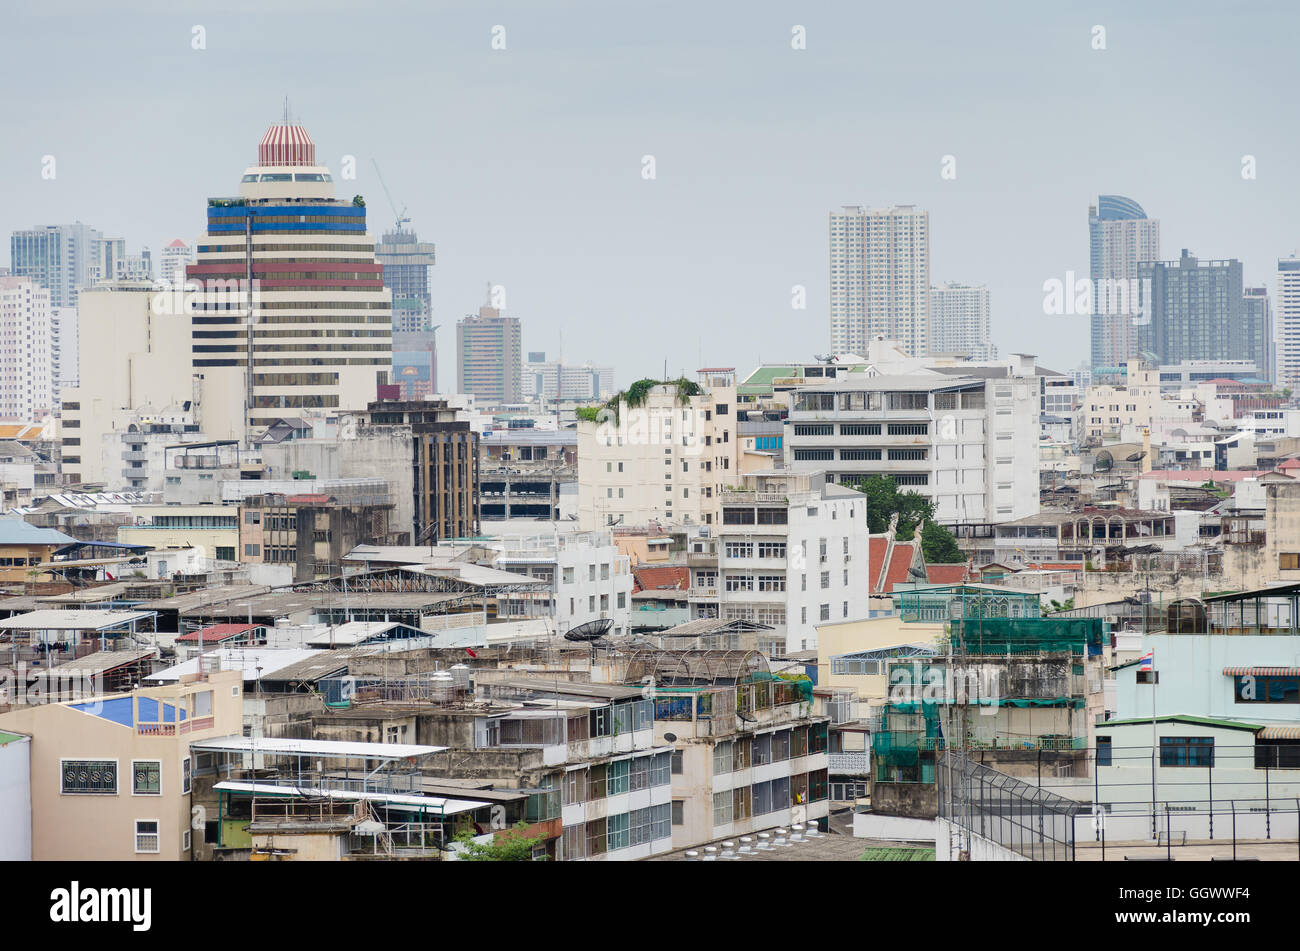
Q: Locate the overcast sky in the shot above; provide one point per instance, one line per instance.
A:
(524, 165)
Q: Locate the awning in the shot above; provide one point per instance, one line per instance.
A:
(1261, 671)
(1279, 733)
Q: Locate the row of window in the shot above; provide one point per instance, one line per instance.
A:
(639, 827)
(99, 777)
(617, 777)
(776, 795)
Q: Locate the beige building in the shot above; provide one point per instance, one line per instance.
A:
(212, 528)
(666, 460)
(133, 352)
(110, 776)
(1108, 409)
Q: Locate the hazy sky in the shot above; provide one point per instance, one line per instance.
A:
(524, 166)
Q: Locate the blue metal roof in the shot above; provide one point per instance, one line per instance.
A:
(15, 531)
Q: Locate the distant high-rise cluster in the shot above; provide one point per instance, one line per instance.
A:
(880, 278)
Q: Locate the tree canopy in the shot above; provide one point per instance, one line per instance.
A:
(510, 846)
(885, 500)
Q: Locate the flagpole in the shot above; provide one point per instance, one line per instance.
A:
(1155, 751)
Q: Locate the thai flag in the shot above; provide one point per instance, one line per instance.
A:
(1147, 661)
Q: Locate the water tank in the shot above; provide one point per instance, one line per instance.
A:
(460, 674)
(442, 687)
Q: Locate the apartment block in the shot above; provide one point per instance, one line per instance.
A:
(665, 459)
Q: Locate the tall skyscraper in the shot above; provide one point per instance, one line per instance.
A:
(1194, 310)
(960, 322)
(1288, 323)
(1120, 236)
(61, 258)
(488, 351)
(1255, 342)
(319, 335)
(406, 260)
(880, 278)
(26, 369)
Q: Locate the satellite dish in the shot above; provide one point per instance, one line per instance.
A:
(591, 631)
(670, 737)
(747, 718)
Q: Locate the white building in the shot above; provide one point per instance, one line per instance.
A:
(133, 454)
(132, 354)
(880, 277)
(26, 368)
(960, 321)
(172, 261)
(792, 555)
(968, 442)
(665, 460)
(551, 379)
(589, 578)
(1286, 324)
(65, 358)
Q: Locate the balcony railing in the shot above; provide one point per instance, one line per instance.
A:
(155, 728)
(850, 764)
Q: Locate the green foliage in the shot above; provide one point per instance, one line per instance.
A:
(939, 546)
(589, 413)
(358, 201)
(507, 847)
(1066, 605)
(884, 500)
(635, 395)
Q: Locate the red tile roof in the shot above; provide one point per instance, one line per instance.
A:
(1292, 463)
(876, 549)
(899, 561)
(947, 574)
(308, 499)
(659, 577)
(218, 632)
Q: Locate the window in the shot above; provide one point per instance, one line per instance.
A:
(771, 582)
(185, 775)
(677, 768)
(740, 583)
(826, 580)
(146, 777)
(1252, 688)
(185, 841)
(1104, 751)
(146, 835)
(1186, 751)
(771, 549)
(677, 812)
(1289, 561)
(740, 550)
(722, 757)
(89, 777)
(722, 806)
(826, 612)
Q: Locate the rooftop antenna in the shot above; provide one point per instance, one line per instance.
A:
(286, 110)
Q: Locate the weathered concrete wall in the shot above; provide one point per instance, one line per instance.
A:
(383, 453)
(909, 800)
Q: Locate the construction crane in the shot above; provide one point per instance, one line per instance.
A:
(400, 216)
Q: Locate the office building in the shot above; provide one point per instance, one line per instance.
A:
(406, 261)
(488, 351)
(1120, 237)
(880, 278)
(313, 328)
(172, 261)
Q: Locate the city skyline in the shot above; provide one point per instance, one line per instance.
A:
(589, 244)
